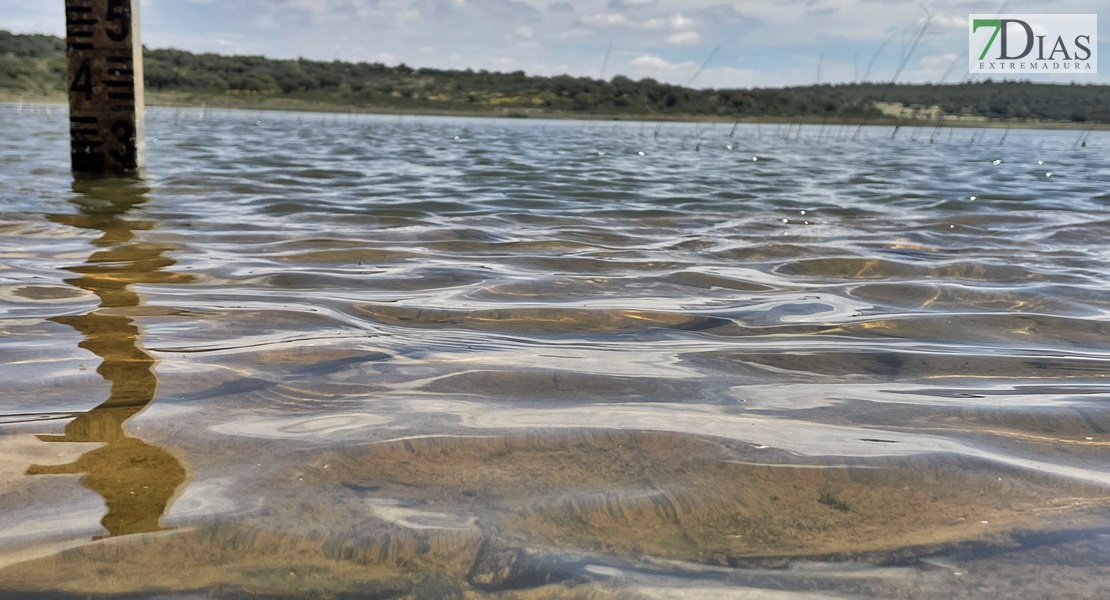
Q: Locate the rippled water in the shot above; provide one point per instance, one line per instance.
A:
(335, 356)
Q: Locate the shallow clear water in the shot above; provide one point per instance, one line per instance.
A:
(335, 356)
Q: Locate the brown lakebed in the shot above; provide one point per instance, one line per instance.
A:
(486, 513)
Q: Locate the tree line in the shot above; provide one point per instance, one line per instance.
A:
(35, 64)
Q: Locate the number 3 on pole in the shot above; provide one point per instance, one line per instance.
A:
(119, 12)
(125, 137)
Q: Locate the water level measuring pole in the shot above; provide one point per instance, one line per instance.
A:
(105, 57)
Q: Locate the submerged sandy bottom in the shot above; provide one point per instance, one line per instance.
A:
(591, 514)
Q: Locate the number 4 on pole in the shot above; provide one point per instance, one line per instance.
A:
(106, 85)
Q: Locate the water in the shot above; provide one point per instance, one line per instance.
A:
(334, 356)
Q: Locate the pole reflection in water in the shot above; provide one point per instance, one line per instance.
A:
(137, 480)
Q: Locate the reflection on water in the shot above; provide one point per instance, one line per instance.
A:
(444, 359)
(137, 480)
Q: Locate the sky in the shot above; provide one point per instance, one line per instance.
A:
(743, 43)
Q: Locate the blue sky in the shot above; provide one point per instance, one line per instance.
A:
(761, 42)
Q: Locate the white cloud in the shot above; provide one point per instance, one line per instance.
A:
(950, 21)
(398, 12)
(576, 33)
(605, 19)
(678, 21)
(683, 38)
(650, 61)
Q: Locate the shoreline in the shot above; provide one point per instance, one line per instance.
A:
(307, 106)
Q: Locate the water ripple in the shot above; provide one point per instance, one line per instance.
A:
(282, 283)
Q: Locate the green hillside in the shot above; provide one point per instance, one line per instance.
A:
(35, 65)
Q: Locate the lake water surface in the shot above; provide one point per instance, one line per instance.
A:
(334, 356)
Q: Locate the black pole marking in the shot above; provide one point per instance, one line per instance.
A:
(82, 82)
(105, 85)
(119, 12)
